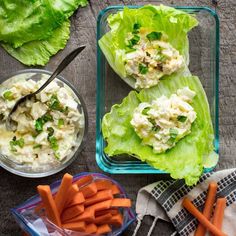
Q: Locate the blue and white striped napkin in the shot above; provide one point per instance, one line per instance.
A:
(163, 200)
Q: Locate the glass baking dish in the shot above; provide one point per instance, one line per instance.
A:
(204, 62)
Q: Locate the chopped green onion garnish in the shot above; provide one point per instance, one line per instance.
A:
(39, 123)
(152, 121)
(173, 133)
(8, 95)
(60, 123)
(154, 36)
(37, 146)
(133, 41)
(136, 28)
(182, 118)
(14, 142)
(55, 104)
(57, 155)
(50, 131)
(156, 128)
(146, 110)
(53, 143)
(142, 69)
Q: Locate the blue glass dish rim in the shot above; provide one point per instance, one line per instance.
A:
(145, 168)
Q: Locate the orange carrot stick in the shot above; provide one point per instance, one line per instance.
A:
(62, 192)
(201, 218)
(72, 192)
(88, 215)
(103, 184)
(210, 199)
(116, 220)
(115, 190)
(89, 190)
(103, 219)
(72, 212)
(49, 203)
(99, 197)
(91, 228)
(218, 216)
(84, 180)
(104, 212)
(121, 202)
(103, 229)
(76, 200)
(77, 226)
(101, 206)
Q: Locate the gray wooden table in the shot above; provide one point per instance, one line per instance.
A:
(82, 73)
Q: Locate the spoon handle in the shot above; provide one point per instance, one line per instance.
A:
(66, 61)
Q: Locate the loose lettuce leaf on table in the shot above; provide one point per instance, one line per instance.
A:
(185, 160)
(26, 20)
(38, 52)
(172, 22)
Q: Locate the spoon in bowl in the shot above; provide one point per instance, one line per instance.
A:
(65, 62)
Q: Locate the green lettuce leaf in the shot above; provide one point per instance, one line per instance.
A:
(26, 20)
(185, 160)
(38, 52)
(172, 22)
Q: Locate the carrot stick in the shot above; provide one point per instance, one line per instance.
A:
(89, 190)
(62, 192)
(115, 190)
(116, 220)
(84, 180)
(104, 212)
(72, 212)
(201, 218)
(72, 192)
(121, 202)
(103, 184)
(103, 229)
(49, 203)
(87, 215)
(77, 226)
(77, 199)
(210, 199)
(100, 220)
(91, 228)
(219, 213)
(99, 197)
(101, 206)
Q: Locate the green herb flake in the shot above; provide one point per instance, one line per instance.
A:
(142, 69)
(50, 131)
(53, 143)
(173, 133)
(55, 104)
(152, 121)
(60, 123)
(146, 110)
(39, 123)
(182, 118)
(14, 142)
(57, 155)
(37, 146)
(154, 36)
(133, 41)
(136, 28)
(8, 95)
(156, 128)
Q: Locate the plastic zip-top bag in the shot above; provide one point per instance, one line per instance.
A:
(37, 224)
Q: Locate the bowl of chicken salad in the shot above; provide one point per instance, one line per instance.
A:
(50, 128)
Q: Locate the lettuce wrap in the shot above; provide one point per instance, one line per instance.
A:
(186, 159)
(172, 23)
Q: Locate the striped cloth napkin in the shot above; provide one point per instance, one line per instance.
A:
(163, 200)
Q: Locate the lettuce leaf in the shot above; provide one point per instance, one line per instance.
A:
(185, 160)
(26, 20)
(172, 22)
(38, 52)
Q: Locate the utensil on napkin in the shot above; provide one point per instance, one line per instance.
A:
(163, 200)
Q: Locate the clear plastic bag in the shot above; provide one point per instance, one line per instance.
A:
(36, 225)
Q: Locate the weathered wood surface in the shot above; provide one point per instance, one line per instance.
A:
(82, 73)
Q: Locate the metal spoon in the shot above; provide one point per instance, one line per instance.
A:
(65, 62)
